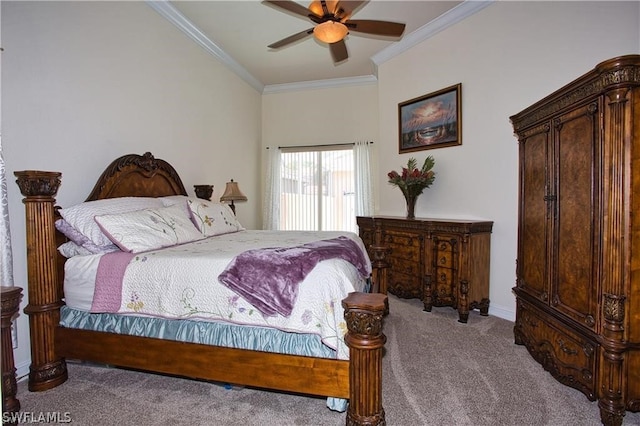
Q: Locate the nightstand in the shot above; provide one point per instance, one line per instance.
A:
(10, 304)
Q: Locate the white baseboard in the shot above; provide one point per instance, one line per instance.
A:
(502, 312)
(22, 370)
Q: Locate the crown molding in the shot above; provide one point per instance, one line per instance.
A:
(447, 19)
(320, 84)
(166, 9)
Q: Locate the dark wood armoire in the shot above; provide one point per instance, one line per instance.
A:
(578, 265)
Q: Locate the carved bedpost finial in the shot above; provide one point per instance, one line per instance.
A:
(35, 183)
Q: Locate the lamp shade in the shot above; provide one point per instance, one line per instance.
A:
(330, 31)
(232, 193)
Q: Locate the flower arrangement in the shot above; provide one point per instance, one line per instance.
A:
(413, 180)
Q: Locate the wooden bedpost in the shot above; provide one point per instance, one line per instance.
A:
(363, 314)
(47, 370)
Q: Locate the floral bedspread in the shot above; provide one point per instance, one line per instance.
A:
(182, 282)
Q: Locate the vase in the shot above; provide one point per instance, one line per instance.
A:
(411, 206)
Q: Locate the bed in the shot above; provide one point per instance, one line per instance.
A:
(355, 377)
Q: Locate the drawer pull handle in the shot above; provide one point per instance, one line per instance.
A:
(565, 349)
(443, 260)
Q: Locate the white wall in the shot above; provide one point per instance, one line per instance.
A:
(86, 82)
(320, 116)
(506, 56)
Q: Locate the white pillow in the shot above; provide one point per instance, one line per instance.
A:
(81, 215)
(71, 249)
(149, 229)
(172, 200)
(213, 218)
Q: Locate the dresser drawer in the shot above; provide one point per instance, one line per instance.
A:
(445, 249)
(401, 238)
(443, 288)
(570, 357)
(404, 285)
(404, 266)
(443, 259)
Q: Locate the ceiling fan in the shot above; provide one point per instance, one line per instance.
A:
(333, 23)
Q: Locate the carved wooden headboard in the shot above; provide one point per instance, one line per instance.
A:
(135, 175)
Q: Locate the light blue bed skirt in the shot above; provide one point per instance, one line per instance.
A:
(204, 332)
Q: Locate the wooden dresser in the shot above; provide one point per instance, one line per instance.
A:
(442, 262)
(578, 266)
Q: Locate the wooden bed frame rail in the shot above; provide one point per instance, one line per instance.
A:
(359, 379)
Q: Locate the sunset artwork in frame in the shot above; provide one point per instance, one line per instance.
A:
(431, 121)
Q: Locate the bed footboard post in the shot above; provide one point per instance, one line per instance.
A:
(363, 314)
(47, 370)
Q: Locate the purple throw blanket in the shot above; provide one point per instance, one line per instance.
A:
(268, 278)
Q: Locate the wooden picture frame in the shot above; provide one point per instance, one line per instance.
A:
(431, 121)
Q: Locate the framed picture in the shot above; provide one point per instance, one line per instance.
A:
(431, 121)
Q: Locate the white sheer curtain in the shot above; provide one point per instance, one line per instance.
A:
(6, 260)
(271, 211)
(363, 183)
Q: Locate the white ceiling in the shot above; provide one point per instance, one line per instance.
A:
(238, 32)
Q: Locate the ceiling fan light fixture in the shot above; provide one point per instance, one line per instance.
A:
(316, 7)
(330, 31)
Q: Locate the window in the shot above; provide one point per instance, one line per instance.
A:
(317, 189)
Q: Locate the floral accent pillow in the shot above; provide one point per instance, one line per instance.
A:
(213, 218)
(149, 229)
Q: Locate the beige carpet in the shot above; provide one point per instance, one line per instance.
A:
(436, 372)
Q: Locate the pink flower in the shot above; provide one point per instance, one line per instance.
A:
(413, 180)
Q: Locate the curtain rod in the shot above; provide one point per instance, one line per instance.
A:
(317, 146)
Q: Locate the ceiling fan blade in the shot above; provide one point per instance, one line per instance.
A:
(383, 28)
(290, 6)
(291, 39)
(338, 51)
(325, 9)
(346, 9)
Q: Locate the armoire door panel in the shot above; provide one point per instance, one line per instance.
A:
(574, 288)
(532, 275)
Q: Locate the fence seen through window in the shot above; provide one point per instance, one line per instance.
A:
(317, 190)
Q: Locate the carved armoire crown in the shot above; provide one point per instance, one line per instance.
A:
(578, 266)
